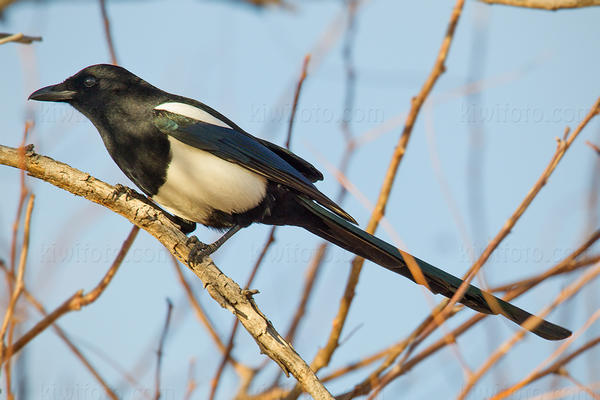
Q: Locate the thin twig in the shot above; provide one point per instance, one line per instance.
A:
(325, 353)
(349, 97)
(79, 300)
(231, 340)
(107, 33)
(581, 386)
(161, 346)
(86, 363)
(8, 366)
(568, 392)
(502, 350)
(296, 97)
(191, 382)
(22, 195)
(63, 336)
(560, 364)
(551, 5)
(348, 55)
(561, 349)
(391, 353)
(200, 313)
(270, 239)
(316, 262)
(476, 204)
(214, 383)
(145, 215)
(566, 265)
(6, 351)
(242, 370)
(311, 276)
(562, 146)
(18, 38)
(593, 146)
(406, 365)
(318, 51)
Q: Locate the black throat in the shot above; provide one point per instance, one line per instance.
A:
(140, 150)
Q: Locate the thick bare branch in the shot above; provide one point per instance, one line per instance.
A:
(145, 215)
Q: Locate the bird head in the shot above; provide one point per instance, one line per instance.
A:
(99, 89)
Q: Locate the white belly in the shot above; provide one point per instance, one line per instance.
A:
(198, 182)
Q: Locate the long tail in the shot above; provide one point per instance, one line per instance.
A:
(336, 230)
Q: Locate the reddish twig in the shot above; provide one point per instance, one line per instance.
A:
(296, 98)
(6, 351)
(107, 33)
(214, 383)
(578, 384)
(316, 261)
(22, 195)
(270, 239)
(407, 364)
(159, 353)
(311, 276)
(79, 300)
(562, 146)
(565, 294)
(221, 288)
(593, 146)
(570, 263)
(63, 336)
(191, 385)
(324, 355)
(200, 313)
(550, 5)
(561, 349)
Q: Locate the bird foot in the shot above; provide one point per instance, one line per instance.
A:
(122, 190)
(199, 250)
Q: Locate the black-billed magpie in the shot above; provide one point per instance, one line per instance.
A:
(202, 167)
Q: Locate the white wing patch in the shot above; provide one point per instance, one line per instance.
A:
(198, 182)
(190, 111)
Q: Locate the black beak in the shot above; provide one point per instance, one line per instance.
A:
(53, 93)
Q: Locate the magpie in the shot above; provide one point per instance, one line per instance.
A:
(203, 168)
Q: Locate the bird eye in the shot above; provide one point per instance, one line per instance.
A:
(89, 81)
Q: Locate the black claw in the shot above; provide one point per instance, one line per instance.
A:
(192, 241)
(199, 250)
(122, 189)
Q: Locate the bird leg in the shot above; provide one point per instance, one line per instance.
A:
(201, 250)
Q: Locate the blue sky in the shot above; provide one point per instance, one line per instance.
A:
(538, 72)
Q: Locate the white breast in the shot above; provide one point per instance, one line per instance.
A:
(198, 182)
